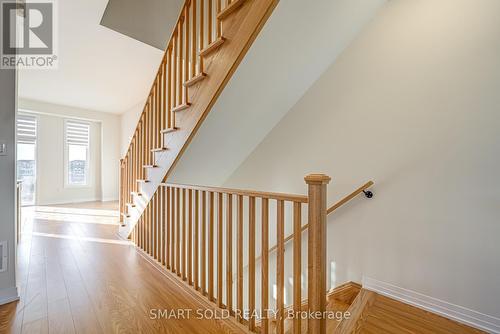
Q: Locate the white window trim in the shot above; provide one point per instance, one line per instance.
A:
(88, 183)
(37, 165)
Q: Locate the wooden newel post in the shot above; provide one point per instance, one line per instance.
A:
(317, 252)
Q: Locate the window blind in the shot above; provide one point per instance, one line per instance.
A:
(77, 133)
(26, 129)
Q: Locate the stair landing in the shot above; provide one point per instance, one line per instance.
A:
(368, 312)
(375, 313)
(339, 301)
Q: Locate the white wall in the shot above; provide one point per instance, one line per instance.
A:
(105, 153)
(271, 78)
(128, 123)
(8, 290)
(414, 105)
(51, 187)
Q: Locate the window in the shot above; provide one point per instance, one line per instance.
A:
(77, 137)
(26, 157)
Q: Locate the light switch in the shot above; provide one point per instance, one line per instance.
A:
(3, 148)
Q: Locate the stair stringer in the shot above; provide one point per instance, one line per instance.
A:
(240, 29)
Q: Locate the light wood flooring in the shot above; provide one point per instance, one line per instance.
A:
(76, 276)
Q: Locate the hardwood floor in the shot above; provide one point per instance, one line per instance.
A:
(76, 276)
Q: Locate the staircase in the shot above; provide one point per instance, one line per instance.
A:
(207, 44)
(216, 240)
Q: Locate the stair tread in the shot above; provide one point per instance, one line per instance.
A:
(142, 180)
(159, 149)
(194, 80)
(212, 46)
(233, 6)
(150, 166)
(136, 193)
(168, 130)
(181, 107)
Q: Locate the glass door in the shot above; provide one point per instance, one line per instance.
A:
(26, 158)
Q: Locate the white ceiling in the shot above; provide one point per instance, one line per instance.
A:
(99, 69)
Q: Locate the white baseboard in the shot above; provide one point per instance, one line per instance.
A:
(78, 200)
(72, 201)
(8, 295)
(461, 314)
(109, 199)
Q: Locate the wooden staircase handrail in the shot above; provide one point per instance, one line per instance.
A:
(243, 192)
(349, 197)
(331, 209)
